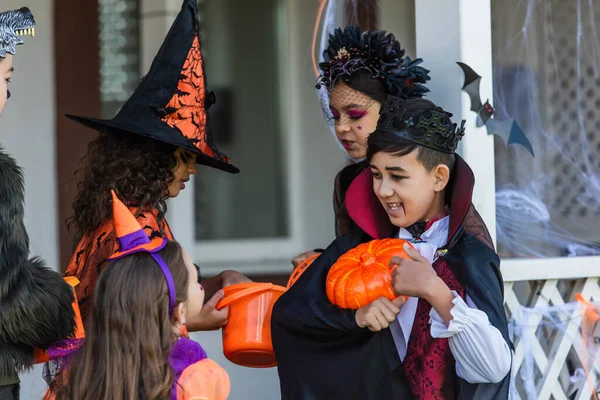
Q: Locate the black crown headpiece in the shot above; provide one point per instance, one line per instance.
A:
(432, 129)
(378, 53)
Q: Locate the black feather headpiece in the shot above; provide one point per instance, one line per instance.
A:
(376, 52)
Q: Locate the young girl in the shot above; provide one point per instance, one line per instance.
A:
(359, 71)
(134, 346)
(146, 154)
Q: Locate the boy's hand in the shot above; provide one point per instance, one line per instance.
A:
(415, 277)
(379, 314)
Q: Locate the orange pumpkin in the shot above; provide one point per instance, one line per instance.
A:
(299, 270)
(362, 274)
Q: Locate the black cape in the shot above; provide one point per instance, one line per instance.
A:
(323, 354)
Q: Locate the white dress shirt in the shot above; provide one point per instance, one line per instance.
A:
(480, 351)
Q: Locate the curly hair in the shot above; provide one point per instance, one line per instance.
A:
(139, 169)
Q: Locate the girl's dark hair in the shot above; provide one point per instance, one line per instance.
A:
(139, 169)
(129, 334)
(380, 141)
(362, 81)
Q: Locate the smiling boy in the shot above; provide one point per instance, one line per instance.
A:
(449, 340)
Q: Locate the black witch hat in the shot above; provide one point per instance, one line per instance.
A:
(171, 103)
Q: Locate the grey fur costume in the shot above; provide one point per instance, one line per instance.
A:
(35, 302)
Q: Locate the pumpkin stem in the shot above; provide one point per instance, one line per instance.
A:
(366, 259)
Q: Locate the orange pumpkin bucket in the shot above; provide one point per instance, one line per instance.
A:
(247, 335)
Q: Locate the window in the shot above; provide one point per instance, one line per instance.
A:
(245, 44)
(119, 53)
(240, 40)
(547, 77)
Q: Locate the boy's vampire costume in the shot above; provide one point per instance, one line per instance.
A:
(323, 354)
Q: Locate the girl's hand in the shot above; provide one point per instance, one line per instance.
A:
(209, 318)
(379, 314)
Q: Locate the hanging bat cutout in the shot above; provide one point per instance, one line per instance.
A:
(508, 130)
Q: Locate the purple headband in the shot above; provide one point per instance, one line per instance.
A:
(168, 277)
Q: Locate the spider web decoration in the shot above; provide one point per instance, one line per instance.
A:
(547, 76)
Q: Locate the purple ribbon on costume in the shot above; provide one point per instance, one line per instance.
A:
(134, 239)
(64, 348)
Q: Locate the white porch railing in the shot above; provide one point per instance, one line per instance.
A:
(546, 329)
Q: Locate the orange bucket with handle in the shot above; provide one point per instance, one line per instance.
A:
(299, 270)
(247, 335)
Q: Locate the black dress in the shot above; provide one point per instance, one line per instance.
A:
(343, 223)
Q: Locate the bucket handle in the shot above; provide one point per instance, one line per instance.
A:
(242, 293)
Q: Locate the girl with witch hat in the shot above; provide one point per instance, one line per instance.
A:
(35, 302)
(358, 72)
(146, 153)
(115, 361)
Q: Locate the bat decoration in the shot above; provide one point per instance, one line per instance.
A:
(508, 130)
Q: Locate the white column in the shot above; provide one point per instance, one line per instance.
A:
(460, 30)
(156, 19)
